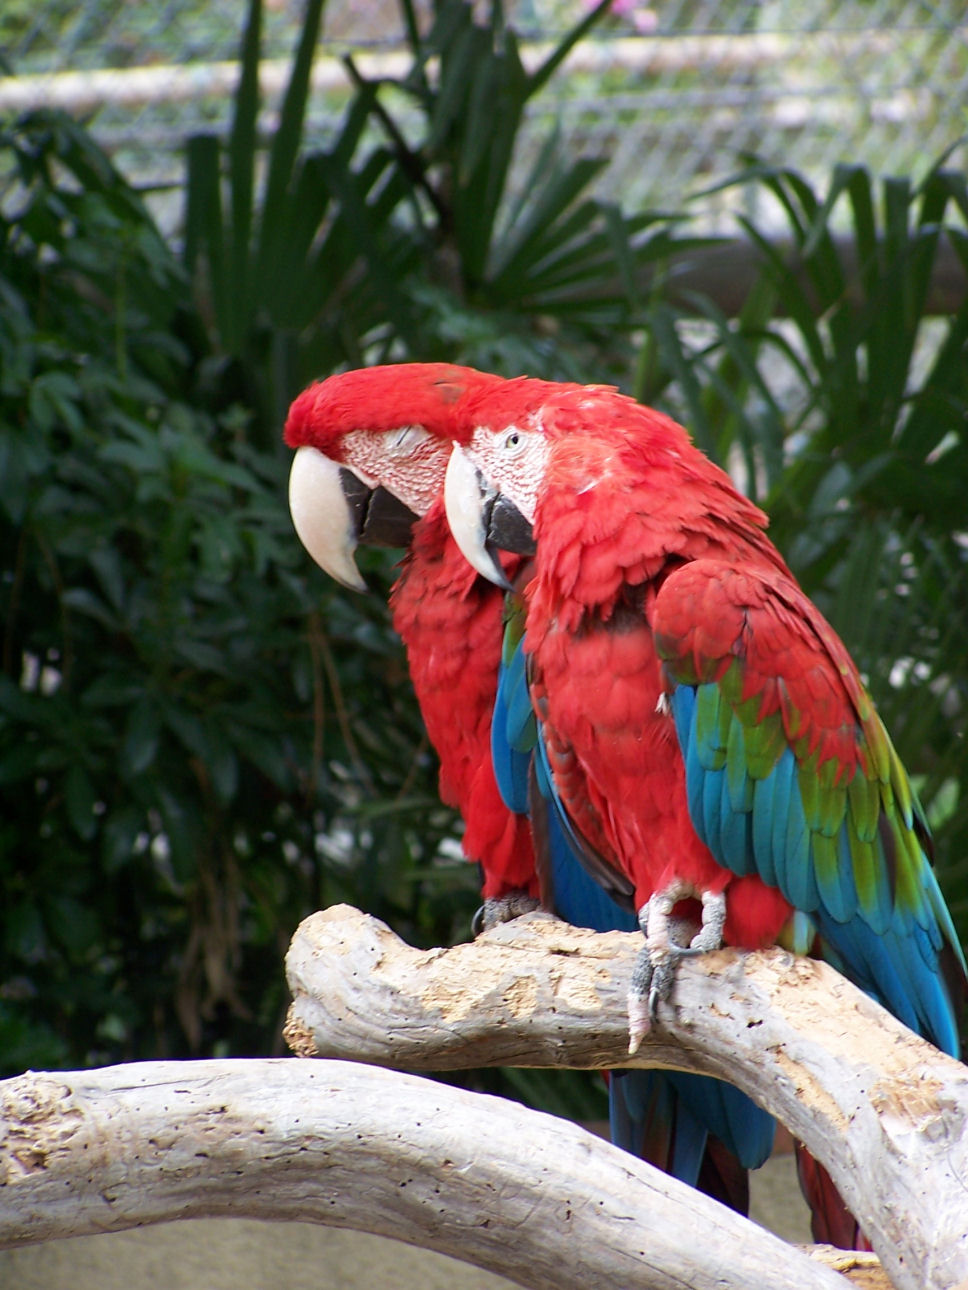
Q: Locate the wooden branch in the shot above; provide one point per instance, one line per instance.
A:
(884, 1111)
(520, 1193)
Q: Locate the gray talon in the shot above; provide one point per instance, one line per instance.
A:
(668, 940)
(502, 909)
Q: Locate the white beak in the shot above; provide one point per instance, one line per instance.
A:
(465, 496)
(321, 516)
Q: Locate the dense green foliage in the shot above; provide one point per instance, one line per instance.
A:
(201, 739)
(175, 732)
(406, 238)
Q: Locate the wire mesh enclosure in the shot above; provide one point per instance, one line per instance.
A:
(674, 94)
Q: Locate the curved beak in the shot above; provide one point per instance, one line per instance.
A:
(333, 511)
(482, 520)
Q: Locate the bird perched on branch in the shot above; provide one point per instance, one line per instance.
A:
(371, 451)
(366, 442)
(707, 736)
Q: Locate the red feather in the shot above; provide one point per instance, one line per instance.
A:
(449, 619)
(650, 502)
(644, 545)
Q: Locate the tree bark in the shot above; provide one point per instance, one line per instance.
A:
(527, 1195)
(883, 1110)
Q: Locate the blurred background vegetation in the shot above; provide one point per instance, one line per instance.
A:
(201, 739)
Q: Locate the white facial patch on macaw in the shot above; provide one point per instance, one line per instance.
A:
(407, 461)
(513, 460)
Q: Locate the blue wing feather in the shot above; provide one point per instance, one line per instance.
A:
(783, 775)
(764, 805)
(520, 715)
(510, 752)
(795, 873)
(765, 826)
(735, 832)
(712, 800)
(743, 1127)
(645, 1109)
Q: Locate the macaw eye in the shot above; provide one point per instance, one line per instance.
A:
(407, 438)
(513, 440)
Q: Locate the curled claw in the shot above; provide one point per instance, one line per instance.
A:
(501, 909)
(668, 940)
(710, 934)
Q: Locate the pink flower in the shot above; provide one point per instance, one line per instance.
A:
(644, 20)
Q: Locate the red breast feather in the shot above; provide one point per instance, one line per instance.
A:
(450, 622)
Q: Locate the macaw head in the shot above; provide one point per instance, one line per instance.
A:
(602, 488)
(371, 451)
(516, 442)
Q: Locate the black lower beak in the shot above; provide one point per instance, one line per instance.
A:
(379, 518)
(506, 528)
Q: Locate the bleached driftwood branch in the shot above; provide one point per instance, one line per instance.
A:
(510, 1190)
(495, 1184)
(884, 1111)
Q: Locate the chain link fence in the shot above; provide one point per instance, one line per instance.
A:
(674, 94)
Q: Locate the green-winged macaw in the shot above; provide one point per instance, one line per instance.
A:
(352, 432)
(367, 441)
(706, 734)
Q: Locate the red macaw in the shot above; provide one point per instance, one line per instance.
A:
(350, 432)
(706, 732)
(358, 435)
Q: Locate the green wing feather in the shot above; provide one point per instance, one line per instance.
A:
(791, 775)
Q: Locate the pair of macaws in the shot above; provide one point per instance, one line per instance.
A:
(640, 716)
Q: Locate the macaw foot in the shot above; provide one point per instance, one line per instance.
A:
(668, 940)
(501, 909)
